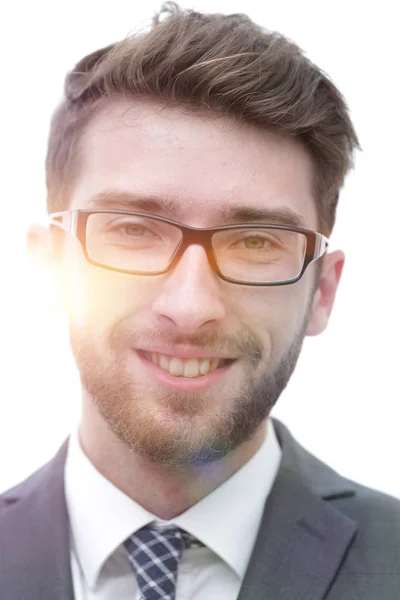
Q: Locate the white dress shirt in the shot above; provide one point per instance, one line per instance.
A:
(226, 521)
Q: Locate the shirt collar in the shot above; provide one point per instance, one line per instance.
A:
(228, 519)
(102, 517)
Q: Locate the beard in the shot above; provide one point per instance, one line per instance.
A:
(178, 429)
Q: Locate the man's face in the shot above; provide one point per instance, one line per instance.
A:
(200, 163)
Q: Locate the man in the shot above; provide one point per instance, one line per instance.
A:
(193, 175)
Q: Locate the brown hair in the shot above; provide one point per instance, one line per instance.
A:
(223, 63)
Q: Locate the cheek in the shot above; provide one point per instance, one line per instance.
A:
(276, 315)
(99, 298)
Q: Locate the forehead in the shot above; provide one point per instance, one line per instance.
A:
(197, 163)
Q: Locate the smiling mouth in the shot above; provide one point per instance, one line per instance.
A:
(191, 367)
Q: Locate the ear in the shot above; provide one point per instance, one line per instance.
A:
(40, 245)
(325, 293)
(44, 251)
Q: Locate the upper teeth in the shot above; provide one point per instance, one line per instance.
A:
(192, 367)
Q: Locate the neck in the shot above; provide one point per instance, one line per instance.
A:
(172, 490)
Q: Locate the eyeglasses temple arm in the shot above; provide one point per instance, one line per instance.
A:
(320, 246)
(66, 220)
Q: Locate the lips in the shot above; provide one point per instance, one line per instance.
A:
(177, 366)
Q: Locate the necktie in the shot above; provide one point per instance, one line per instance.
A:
(154, 554)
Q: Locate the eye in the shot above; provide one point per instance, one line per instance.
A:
(255, 241)
(134, 229)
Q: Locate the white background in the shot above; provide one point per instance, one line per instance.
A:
(343, 401)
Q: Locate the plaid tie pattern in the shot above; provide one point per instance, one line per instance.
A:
(154, 554)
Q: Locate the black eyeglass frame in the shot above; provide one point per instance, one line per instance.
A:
(74, 222)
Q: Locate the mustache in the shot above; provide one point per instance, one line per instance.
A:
(242, 344)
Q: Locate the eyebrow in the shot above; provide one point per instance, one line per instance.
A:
(167, 207)
(128, 201)
(250, 214)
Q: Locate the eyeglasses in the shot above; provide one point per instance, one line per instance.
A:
(137, 243)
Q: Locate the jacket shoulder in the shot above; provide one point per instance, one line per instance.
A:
(372, 509)
(36, 482)
(371, 567)
(13, 494)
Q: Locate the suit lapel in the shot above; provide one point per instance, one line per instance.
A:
(302, 537)
(34, 537)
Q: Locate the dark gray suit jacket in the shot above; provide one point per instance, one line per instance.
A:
(321, 536)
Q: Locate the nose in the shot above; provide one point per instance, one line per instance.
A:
(191, 294)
